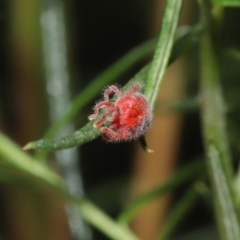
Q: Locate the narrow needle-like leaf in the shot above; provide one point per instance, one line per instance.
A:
(193, 170)
(176, 214)
(229, 3)
(13, 157)
(106, 77)
(163, 49)
(85, 134)
(182, 44)
(216, 141)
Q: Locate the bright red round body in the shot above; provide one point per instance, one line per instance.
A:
(127, 118)
(132, 114)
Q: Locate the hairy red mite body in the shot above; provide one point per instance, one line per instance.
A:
(127, 118)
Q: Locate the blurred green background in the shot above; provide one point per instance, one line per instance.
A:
(50, 50)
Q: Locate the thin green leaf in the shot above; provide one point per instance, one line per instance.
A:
(227, 219)
(185, 105)
(163, 49)
(183, 44)
(106, 77)
(100, 220)
(192, 170)
(79, 137)
(216, 140)
(12, 156)
(177, 213)
(229, 3)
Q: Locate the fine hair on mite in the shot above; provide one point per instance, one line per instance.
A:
(126, 116)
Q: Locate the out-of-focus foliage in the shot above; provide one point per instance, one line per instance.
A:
(42, 47)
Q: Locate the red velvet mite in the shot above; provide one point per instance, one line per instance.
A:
(126, 118)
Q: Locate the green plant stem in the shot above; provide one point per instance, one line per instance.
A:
(193, 170)
(91, 91)
(227, 3)
(182, 44)
(79, 137)
(177, 213)
(216, 142)
(87, 133)
(96, 217)
(11, 156)
(163, 49)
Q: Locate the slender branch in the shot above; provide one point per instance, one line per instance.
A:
(193, 170)
(182, 206)
(106, 77)
(163, 49)
(216, 140)
(87, 133)
(12, 156)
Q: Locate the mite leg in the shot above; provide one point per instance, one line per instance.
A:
(99, 106)
(111, 89)
(111, 135)
(104, 116)
(134, 88)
